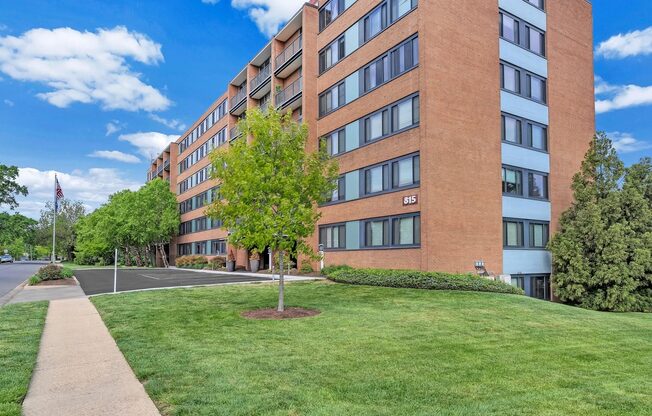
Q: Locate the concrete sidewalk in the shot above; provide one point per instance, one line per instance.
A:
(39, 293)
(80, 370)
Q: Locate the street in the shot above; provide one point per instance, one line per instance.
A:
(13, 274)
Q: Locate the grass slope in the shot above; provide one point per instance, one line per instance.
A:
(21, 326)
(380, 351)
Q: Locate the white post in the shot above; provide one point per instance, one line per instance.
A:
(115, 272)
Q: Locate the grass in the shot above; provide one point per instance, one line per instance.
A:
(20, 335)
(381, 351)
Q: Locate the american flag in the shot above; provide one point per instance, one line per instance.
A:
(58, 194)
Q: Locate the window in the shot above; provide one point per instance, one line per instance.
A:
(541, 287)
(375, 22)
(405, 57)
(333, 236)
(512, 181)
(536, 3)
(331, 99)
(376, 179)
(331, 55)
(509, 28)
(512, 234)
(538, 185)
(339, 193)
(376, 74)
(336, 142)
(511, 129)
(535, 41)
(377, 233)
(376, 126)
(539, 235)
(536, 88)
(538, 136)
(511, 79)
(218, 247)
(330, 12)
(519, 282)
(401, 7)
(406, 231)
(406, 172)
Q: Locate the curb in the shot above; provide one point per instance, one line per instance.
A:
(9, 296)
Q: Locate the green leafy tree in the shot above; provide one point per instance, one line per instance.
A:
(70, 212)
(158, 219)
(596, 252)
(9, 187)
(271, 186)
(16, 227)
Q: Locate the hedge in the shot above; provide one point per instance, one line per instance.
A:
(419, 280)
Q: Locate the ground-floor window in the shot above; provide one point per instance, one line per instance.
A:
(534, 285)
(519, 282)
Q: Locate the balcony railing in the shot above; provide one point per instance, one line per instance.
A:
(240, 96)
(262, 76)
(166, 164)
(289, 52)
(291, 91)
(234, 133)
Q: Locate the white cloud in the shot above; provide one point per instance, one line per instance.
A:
(638, 42)
(113, 127)
(617, 97)
(150, 144)
(115, 155)
(8, 102)
(268, 15)
(85, 67)
(92, 187)
(626, 143)
(174, 124)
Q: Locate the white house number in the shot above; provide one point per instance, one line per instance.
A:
(410, 200)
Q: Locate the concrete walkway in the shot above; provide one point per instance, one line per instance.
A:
(39, 293)
(80, 370)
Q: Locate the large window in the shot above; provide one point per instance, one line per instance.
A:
(522, 34)
(375, 22)
(329, 12)
(331, 54)
(520, 131)
(522, 82)
(391, 175)
(537, 3)
(401, 7)
(539, 235)
(537, 183)
(400, 231)
(339, 193)
(333, 236)
(525, 234)
(207, 123)
(332, 99)
(336, 142)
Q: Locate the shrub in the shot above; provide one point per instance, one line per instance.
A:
(420, 280)
(192, 262)
(217, 262)
(34, 280)
(54, 272)
(306, 268)
(327, 270)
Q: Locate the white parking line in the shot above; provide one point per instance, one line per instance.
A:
(151, 277)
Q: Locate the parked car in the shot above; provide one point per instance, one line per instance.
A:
(6, 258)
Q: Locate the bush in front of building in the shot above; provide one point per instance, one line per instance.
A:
(192, 262)
(419, 280)
(217, 263)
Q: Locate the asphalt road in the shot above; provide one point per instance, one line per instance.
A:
(97, 281)
(13, 274)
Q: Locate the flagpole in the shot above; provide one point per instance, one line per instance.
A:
(54, 222)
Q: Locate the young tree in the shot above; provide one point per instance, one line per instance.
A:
(69, 214)
(270, 187)
(159, 217)
(590, 253)
(9, 187)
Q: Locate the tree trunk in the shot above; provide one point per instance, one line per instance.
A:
(281, 284)
(139, 258)
(164, 257)
(127, 257)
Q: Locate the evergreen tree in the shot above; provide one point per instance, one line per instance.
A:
(591, 251)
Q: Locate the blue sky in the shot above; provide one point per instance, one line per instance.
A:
(91, 89)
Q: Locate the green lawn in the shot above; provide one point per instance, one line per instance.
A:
(20, 335)
(379, 351)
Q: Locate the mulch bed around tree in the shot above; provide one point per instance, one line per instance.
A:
(60, 282)
(289, 313)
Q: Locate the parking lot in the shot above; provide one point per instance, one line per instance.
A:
(97, 281)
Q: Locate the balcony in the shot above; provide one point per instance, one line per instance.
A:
(234, 133)
(290, 97)
(289, 60)
(238, 103)
(166, 165)
(262, 83)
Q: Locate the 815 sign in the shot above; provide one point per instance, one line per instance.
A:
(410, 200)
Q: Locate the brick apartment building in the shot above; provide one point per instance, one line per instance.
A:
(457, 124)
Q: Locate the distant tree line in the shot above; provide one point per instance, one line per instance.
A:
(602, 256)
